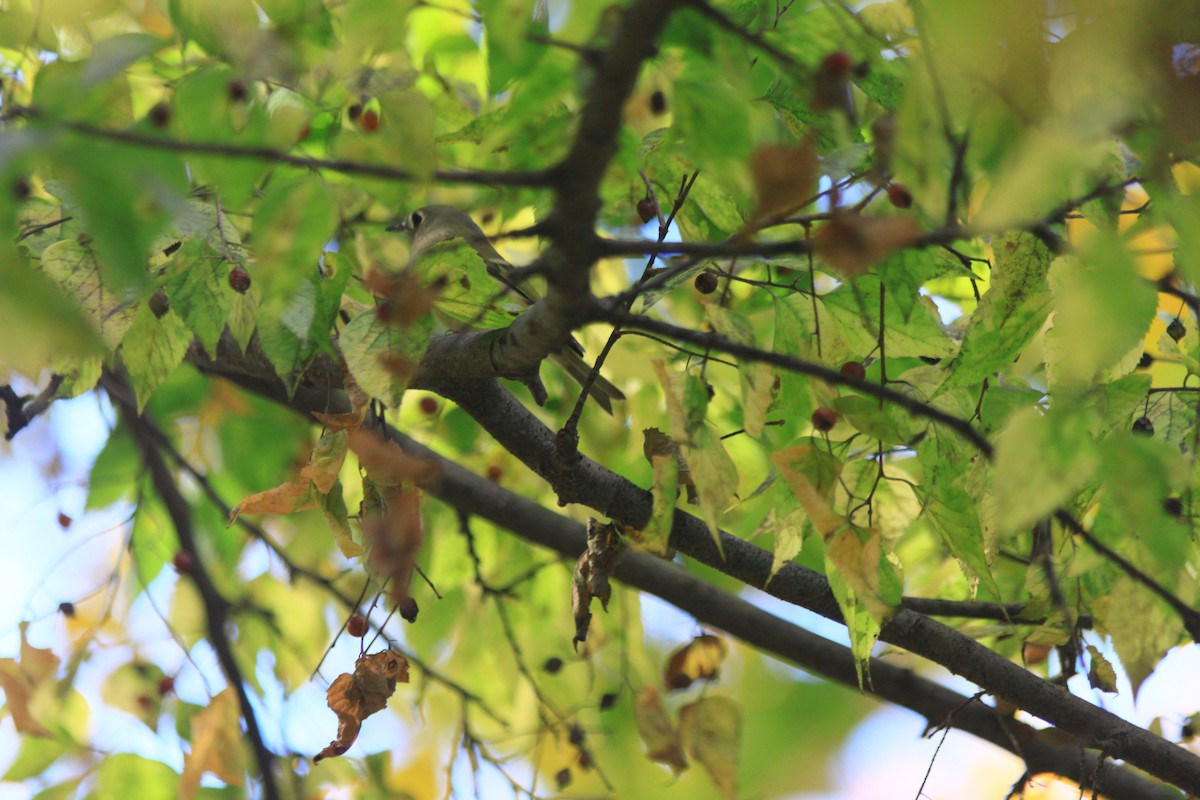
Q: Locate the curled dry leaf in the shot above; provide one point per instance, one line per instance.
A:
(851, 242)
(355, 697)
(699, 659)
(592, 571)
(657, 731)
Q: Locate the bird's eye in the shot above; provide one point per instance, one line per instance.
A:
(416, 219)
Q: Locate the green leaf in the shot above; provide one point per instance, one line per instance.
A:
(656, 535)
(854, 307)
(382, 357)
(757, 380)
(1011, 312)
(199, 292)
(124, 775)
(34, 757)
(1042, 461)
(1141, 626)
(1102, 309)
(74, 268)
(152, 349)
(334, 508)
(1138, 474)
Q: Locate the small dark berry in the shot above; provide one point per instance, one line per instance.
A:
(658, 102)
(853, 369)
(239, 280)
(160, 115)
(706, 282)
(356, 626)
(166, 685)
(429, 406)
(862, 70)
(354, 112)
(1143, 426)
(160, 304)
(370, 120)
(237, 91)
(553, 665)
(408, 609)
(576, 736)
(608, 700)
(1176, 329)
(562, 778)
(495, 473)
(183, 562)
(647, 209)
(1173, 506)
(21, 188)
(66, 609)
(1145, 361)
(899, 195)
(1187, 732)
(823, 419)
(64, 521)
(585, 759)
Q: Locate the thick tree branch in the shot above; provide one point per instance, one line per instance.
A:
(582, 480)
(216, 607)
(473, 494)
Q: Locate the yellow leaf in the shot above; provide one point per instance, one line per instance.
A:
(711, 731)
(656, 730)
(699, 659)
(217, 745)
(20, 677)
(812, 475)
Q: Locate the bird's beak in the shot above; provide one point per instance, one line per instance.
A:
(400, 226)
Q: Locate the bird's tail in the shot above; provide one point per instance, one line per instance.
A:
(602, 391)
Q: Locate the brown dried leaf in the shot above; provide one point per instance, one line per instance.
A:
(852, 243)
(286, 499)
(386, 463)
(656, 730)
(785, 178)
(657, 443)
(699, 659)
(320, 472)
(581, 600)
(393, 534)
(604, 549)
(217, 745)
(711, 732)
(355, 697)
(20, 677)
(402, 298)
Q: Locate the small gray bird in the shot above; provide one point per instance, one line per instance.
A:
(447, 244)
